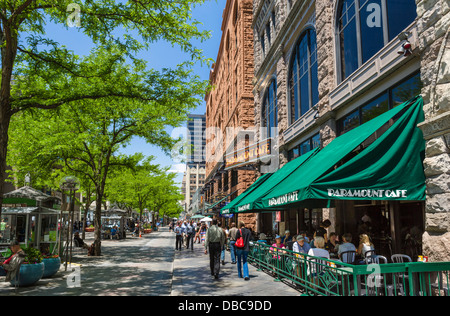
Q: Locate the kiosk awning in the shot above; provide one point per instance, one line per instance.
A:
(390, 168)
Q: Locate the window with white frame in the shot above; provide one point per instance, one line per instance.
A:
(366, 26)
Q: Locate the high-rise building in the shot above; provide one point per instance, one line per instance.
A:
(194, 176)
(196, 126)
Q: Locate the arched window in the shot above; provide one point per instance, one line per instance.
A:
(366, 26)
(303, 82)
(270, 108)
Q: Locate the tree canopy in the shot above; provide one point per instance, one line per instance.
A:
(95, 103)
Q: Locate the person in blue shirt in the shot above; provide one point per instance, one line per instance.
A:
(300, 245)
(287, 237)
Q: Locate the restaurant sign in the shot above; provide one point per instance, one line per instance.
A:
(286, 198)
(368, 193)
(248, 154)
(244, 207)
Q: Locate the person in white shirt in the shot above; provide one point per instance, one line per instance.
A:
(317, 265)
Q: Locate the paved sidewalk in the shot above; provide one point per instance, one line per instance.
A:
(149, 266)
(192, 277)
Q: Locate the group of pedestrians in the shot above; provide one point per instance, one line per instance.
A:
(214, 241)
(185, 233)
(239, 247)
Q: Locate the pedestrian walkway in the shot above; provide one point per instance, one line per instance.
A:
(192, 277)
(148, 266)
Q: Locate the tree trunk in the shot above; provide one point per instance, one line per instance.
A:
(4, 125)
(8, 41)
(98, 224)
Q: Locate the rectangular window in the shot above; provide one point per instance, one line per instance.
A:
(349, 122)
(372, 39)
(263, 46)
(406, 90)
(374, 108)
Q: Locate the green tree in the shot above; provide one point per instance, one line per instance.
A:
(84, 136)
(144, 186)
(38, 73)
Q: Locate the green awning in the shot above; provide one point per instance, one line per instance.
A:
(247, 204)
(218, 202)
(229, 208)
(388, 169)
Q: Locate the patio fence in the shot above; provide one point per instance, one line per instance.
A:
(321, 276)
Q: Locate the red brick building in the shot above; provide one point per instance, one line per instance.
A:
(230, 107)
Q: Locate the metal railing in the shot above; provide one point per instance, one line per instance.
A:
(321, 276)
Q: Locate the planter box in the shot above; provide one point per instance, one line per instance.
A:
(89, 229)
(51, 266)
(147, 231)
(29, 274)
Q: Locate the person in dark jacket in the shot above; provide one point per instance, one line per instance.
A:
(242, 253)
(11, 266)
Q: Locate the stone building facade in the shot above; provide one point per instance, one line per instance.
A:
(304, 49)
(230, 106)
(434, 44)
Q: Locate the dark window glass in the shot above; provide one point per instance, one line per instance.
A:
(270, 109)
(371, 28)
(314, 70)
(263, 46)
(305, 147)
(401, 13)
(268, 32)
(375, 108)
(360, 41)
(274, 23)
(303, 78)
(315, 141)
(349, 122)
(293, 153)
(348, 40)
(406, 90)
(293, 85)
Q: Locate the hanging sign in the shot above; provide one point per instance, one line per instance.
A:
(249, 154)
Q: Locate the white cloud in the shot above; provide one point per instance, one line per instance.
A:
(178, 168)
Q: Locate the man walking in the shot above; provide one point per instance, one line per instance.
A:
(215, 239)
(190, 231)
(179, 236)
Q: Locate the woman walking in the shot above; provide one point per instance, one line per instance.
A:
(242, 250)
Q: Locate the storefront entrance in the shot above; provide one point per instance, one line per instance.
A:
(394, 227)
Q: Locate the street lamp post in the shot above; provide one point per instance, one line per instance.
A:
(71, 184)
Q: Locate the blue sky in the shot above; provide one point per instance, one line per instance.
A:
(160, 55)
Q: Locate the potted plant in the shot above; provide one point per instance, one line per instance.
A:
(89, 229)
(31, 270)
(147, 229)
(52, 263)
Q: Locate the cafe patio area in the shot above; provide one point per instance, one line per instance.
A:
(375, 276)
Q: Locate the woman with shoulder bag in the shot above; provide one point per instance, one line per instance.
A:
(242, 245)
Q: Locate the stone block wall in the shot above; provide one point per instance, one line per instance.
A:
(434, 44)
